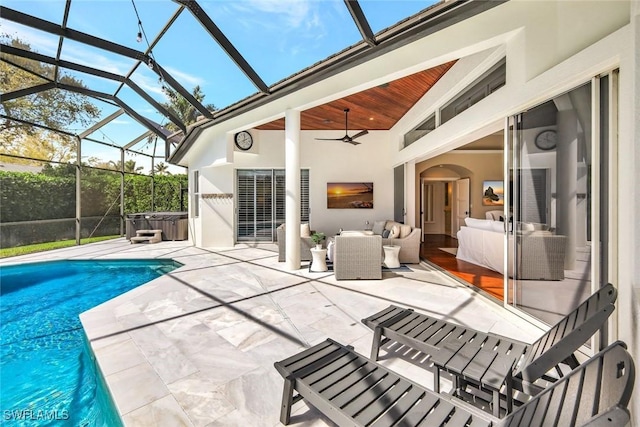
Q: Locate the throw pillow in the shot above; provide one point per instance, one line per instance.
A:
(378, 227)
(389, 225)
(385, 234)
(330, 249)
(305, 230)
(395, 232)
(405, 230)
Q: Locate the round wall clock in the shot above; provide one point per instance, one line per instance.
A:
(244, 140)
(546, 140)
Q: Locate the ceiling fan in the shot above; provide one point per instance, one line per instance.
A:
(346, 138)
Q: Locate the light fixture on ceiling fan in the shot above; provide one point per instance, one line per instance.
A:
(346, 138)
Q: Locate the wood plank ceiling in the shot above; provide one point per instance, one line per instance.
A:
(377, 108)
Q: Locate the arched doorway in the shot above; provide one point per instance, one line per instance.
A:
(444, 200)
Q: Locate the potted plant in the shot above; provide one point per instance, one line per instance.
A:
(317, 239)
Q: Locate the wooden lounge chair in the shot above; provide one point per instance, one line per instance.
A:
(352, 390)
(492, 361)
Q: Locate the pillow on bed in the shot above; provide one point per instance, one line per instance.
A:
(483, 224)
(497, 226)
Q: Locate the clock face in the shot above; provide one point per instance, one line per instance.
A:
(244, 140)
(546, 140)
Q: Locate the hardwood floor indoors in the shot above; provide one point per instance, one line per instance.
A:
(484, 279)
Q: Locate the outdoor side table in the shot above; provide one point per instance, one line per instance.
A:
(318, 260)
(391, 256)
(484, 366)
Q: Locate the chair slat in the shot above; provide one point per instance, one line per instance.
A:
(331, 368)
(411, 322)
(451, 346)
(461, 359)
(539, 415)
(498, 370)
(591, 392)
(400, 409)
(383, 403)
(349, 392)
(357, 367)
(555, 404)
(478, 366)
(441, 334)
(307, 354)
(571, 401)
(315, 361)
(419, 411)
(438, 415)
(371, 394)
(330, 390)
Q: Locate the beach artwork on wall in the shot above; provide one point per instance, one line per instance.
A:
(493, 193)
(350, 195)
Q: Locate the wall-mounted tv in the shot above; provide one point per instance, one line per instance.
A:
(350, 195)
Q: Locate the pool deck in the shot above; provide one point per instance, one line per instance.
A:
(196, 347)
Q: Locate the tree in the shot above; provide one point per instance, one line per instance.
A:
(162, 169)
(182, 108)
(54, 108)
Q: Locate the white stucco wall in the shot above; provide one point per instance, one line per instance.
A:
(327, 161)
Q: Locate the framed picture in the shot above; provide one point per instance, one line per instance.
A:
(350, 195)
(493, 193)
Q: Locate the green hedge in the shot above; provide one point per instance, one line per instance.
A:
(51, 195)
(27, 196)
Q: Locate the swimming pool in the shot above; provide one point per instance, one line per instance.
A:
(47, 376)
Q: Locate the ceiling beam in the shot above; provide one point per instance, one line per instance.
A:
(95, 72)
(100, 124)
(26, 122)
(27, 91)
(101, 95)
(65, 18)
(50, 27)
(361, 21)
(133, 142)
(201, 16)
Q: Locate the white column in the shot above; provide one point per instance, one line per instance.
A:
(292, 188)
(411, 194)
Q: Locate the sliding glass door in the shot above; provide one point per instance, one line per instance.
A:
(556, 203)
(261, 203)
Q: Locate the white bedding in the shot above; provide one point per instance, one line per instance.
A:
(482, 247)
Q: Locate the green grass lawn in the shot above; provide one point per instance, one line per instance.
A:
(41, 247)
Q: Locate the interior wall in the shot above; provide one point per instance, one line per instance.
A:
(482, 166)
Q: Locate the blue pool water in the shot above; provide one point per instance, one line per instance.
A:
(47, 376)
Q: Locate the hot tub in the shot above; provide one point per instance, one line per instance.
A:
(174, 225)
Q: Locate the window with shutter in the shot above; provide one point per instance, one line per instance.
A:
(261, 202)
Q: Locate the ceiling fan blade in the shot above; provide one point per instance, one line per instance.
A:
(329, 139)
(352, 142)
(359, 134)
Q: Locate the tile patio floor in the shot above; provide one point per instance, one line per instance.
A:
(196, 347)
